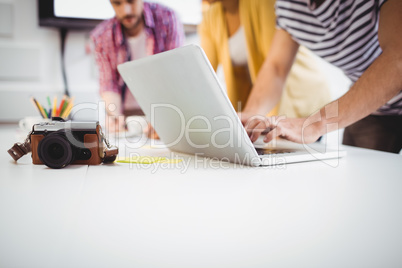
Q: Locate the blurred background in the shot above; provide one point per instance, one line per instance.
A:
(35, 35)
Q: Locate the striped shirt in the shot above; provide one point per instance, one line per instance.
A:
(163, 32)
(342, 32)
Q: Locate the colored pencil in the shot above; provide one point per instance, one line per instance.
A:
(54, 110)
(46, 113)
(66, 102)
(42, 111)
(50, 107)
(60, 109)
(68, 109)
(35, 105)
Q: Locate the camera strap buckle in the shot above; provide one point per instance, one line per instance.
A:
(110, 155)
(20, 149)
(110, 152)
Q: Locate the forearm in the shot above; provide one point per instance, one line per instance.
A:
(271, 78)
(382, 80)
(108, 84)
(113, 103)
(267, 91)
(380, 83)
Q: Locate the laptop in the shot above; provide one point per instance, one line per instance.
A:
(181, 96)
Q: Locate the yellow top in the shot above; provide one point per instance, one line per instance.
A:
(306, 88)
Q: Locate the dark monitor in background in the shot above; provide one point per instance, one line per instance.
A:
(86, 14)
(51, 14)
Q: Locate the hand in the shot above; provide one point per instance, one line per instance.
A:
(152, 133)
(300, 130)
(245, 117)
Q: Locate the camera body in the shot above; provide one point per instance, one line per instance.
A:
(58, 144)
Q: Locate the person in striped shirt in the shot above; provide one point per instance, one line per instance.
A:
(139, 29)
(361, 37)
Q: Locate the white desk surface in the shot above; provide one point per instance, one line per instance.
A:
(300, 215)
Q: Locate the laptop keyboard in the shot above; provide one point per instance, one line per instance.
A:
(270, 151)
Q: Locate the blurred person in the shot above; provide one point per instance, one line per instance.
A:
(361, 37)
(139, 29)
(238, 34)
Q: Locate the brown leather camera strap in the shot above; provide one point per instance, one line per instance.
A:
(110, 155)
(109, 152)
(19, 150)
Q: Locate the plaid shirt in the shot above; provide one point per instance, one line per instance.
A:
(163, 30)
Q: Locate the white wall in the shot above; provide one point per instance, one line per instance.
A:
(30, 62)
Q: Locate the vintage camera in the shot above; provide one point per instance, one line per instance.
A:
(58, 144)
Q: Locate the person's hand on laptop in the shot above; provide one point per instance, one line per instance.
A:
(244, 117)
(300, 130)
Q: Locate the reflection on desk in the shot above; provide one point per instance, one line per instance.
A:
(201, 213)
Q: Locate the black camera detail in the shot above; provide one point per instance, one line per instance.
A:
(56, 151)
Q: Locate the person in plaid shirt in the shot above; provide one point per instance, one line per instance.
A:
(139, 29)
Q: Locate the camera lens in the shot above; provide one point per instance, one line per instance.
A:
(55, 150)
